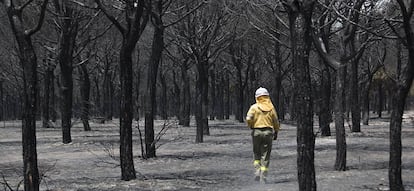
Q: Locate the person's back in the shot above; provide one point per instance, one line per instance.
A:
(262, 119)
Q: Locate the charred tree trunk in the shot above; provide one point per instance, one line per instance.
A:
(29, 63)
(53, 113)
(186, 97)
(67, 41)
(220, 99)
(126, 116)
(202, 101)
(213, 97)
(365, 103)
(46, 96)
(325, 106)
(340, 161)
(394, 171)
(177, 100)
(405, 75)
(2, 117)
(355, 101)
(28, 60)
(156, 54)
(98, 108)
(164, 106)
(85, 87)
(380, 104)
(107, 92)
(236, 51)
(137, 94)
(278, 75)
(227, 102)
(300, 26)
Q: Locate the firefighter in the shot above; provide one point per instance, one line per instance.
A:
(262, 119)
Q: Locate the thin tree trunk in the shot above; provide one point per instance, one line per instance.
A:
(365, 103)
(380, 103)
(156, 54)
(220, 99)
(53, 113)
(98, 108)
(107, 98)
(355, 101)
(213, 97)
(1, 102)
(186, 97)
(227, 102)
(46, 96)
(28, 61)
(164, 106)
(325, 106)
(137, 93)
(85, 87)
(65, 57)
(177, 100)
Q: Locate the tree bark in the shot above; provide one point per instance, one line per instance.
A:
(67, 45)
(405, 76)
(46, 95)
(29, 63)
(53, 113)
(220, 99)
(28, 60)
(177, 99)
(137, 93)
(202, 101)
(213, 97)
(186, 97)
(325, 104)
(85, 87)
(126, 116)
(227, 102)
(300, 15)
(1, 102)
(100, 111)
(164, 104)
(150, 106)
(355, 101)
(107, 92)
(365, 102)
(394, 171)
(340, 161)
(380, 103)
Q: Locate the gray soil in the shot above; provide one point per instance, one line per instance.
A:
(222, 162)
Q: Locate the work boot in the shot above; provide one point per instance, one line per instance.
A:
(256, 165)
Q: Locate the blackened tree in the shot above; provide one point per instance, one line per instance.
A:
(28, 60)
(300, 14)
(136, 19)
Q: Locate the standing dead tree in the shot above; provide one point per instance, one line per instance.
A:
(402, 81)
(136, 19)
(300, 14)
(348, 54)
(28, 60)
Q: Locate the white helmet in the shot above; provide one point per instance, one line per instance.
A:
(261, 92)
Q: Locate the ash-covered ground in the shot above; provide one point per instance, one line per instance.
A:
(222, 162)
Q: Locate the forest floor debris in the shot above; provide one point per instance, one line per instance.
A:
(222, 162)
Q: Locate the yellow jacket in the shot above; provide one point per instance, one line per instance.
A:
(262, 114)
